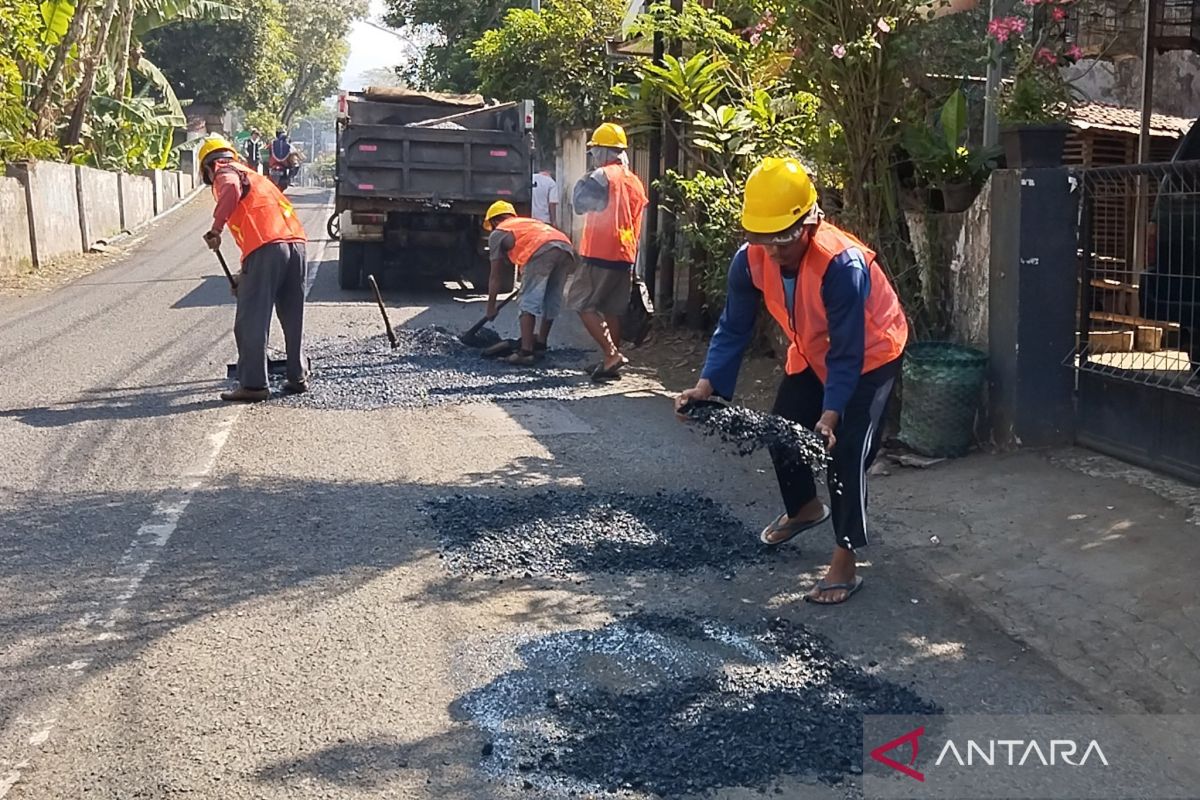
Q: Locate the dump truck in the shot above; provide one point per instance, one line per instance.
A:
(415, 173)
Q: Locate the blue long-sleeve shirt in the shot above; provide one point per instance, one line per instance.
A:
(844, 292)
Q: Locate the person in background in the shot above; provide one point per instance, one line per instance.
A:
(544, 204)
(254, 149)
(544, 259)
(612, 200)
(829, 294)
(274, 270)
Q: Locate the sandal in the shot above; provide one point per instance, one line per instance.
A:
(521, 358)
(823, 587)
(613, 373)
(501, 348)
(792, 529)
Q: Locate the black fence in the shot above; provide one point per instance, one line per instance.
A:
(1139, 300)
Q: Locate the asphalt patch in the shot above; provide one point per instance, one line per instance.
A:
(664, 706)
(749, 431)
(560, 533)
(429, 367)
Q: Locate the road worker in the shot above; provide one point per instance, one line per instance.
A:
(847, 333)
(544, 259)
(274, 271)
(613, 199)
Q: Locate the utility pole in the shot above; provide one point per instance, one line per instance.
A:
(670, 162)
(652, 208)
(991, 125)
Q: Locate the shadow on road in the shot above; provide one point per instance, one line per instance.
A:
(130, 403)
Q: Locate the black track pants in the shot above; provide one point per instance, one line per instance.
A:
(859, 432)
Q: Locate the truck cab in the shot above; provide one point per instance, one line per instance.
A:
(415, 173)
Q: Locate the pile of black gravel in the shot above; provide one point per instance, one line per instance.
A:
(664, 706)
(429, 367)
(751, 430)
(557, 533)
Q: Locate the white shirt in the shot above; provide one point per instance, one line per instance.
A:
(545, 192)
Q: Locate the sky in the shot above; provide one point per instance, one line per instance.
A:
(371, 48)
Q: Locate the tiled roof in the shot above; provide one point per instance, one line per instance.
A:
(1127, 120)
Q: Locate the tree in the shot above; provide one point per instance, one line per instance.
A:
(316, 51)
(382, 76)
(448, 65)
(226, 61)
(556, 56)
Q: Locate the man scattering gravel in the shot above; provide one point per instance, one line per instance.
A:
(751, 430)
(828, 292)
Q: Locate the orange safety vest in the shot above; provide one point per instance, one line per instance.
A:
(612, 234)
(263, 216)
(529, 236)
(806, 324)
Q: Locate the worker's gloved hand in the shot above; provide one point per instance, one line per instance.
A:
(701, 391)
(213, 240)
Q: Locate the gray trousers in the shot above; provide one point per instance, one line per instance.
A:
(273, 276)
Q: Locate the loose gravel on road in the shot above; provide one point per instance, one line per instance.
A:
(429, 367)
(751, 430)
(666, 706)
(562, 532)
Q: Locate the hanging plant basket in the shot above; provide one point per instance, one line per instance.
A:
(1034, 146)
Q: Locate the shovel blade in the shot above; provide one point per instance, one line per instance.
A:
(276, 367)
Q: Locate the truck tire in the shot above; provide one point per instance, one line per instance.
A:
(350, 266)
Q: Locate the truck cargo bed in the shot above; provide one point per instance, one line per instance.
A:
(433, 164)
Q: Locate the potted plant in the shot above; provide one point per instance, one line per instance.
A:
(1033, 106)
(942, 159)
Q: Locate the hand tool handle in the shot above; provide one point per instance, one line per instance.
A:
(224, 266)
(474, 329)
(387, 323)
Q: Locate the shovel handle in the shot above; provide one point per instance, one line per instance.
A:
(225, 267)
(387, 323)
(474, 329)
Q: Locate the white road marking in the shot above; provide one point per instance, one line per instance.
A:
(148, 542)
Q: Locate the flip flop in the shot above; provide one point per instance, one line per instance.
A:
(795, 529)
(823, 587)
(613, 373)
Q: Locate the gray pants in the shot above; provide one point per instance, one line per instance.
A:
(273, 276)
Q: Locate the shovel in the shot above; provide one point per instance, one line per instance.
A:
(472, 338)
(387, 323)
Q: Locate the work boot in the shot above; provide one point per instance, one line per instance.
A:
(244, 395)
(295, 387)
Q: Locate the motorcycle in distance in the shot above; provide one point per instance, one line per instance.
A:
(280, 174)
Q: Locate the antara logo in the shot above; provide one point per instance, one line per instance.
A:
(990, 752)
(1019, 752)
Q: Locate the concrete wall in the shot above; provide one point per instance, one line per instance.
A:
(15, 252)
(156, 181)
(99, 198)
(53, 205)
(170, 189)
(137, 200)
(1176, 82)
(187, 183)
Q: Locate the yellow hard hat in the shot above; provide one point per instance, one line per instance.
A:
(496, 209)
(214, 144)
(778, 194)
(610, 134)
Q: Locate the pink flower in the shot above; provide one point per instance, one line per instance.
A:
(755, 38)
(1032, 2)
(1001, 28)
(1046, 56)
(839, 51)
(883, 25)
(1074, 53)
(1058, 13)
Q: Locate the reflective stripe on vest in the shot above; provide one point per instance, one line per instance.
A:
(529, 236)
(612, 234)
(807, 325)
(263, 216)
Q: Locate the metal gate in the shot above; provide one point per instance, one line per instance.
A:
(1137, 359)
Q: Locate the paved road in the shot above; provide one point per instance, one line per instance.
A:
(207, 601)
